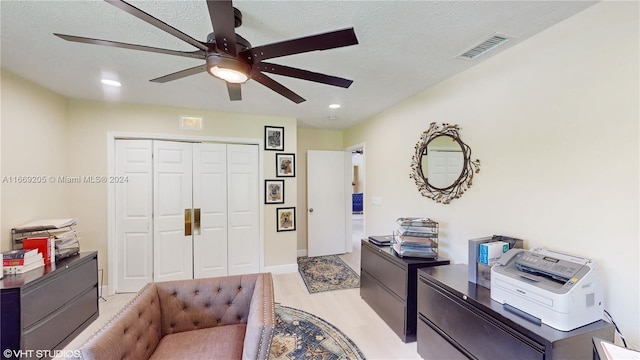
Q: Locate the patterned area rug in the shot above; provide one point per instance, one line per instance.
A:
(325, 273)
(300, 335)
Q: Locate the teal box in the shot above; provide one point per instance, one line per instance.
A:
(491, 252)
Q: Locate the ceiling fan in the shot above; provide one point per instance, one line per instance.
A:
(230, 57)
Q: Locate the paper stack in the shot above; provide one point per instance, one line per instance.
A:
(66, 243)
(416, 237)
(48, 224)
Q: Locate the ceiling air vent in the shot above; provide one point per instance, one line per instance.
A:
(489, 44)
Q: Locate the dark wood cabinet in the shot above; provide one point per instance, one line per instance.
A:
(457, 319)
(44, 309)
(388, 285)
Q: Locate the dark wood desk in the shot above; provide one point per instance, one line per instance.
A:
(44, 309)
(458, 320)
(388, 284)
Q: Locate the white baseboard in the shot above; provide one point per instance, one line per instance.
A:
(302, 252)
(281, 269)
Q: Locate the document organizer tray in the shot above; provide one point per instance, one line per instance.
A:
(416, 237)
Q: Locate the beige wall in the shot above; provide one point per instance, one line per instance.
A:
(554, 121)
(69, 137)
(310, 139)
(34, 144)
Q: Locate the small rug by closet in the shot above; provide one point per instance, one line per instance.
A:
(300, 335)
(325, 273)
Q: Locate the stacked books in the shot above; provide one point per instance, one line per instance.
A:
(21, 261)
(416, 237)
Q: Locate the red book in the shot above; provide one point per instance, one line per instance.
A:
(44, 245)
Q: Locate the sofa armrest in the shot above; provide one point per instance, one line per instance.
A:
(261, 320)
(132, 334)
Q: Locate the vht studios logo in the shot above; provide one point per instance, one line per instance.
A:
(18, 354)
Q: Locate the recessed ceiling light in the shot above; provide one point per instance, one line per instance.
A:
(334, 106)
(110, 82)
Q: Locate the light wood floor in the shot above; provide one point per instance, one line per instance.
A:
(343, 308)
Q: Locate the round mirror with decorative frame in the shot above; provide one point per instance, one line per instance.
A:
(441, 165)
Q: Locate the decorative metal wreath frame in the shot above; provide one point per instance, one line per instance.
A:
(462, 184)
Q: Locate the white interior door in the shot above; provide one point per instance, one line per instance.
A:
(134, 211)
(327, 202)
(172, 199)
(243, 196)
(210, 210)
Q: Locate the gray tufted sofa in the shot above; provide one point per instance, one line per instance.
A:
(228, 317)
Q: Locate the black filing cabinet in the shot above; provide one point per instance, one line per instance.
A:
(458, 320)
(388, 284)
(44, 309)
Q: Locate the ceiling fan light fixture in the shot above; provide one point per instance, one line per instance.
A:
(228, 69)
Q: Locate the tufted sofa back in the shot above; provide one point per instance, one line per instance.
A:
(133, 334)
(165, 308)
(192, 305)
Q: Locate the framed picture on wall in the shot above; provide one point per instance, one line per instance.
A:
(274, 191)
(286, 218)
(285, 165)
(274, 138)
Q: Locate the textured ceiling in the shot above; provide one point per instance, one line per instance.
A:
(404, 47)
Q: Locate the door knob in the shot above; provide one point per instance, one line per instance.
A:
(310, 209)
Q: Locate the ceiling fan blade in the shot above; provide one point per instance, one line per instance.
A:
(303, 74)
(181, 74)
(235, 92)
(277, 87)
(157, 23)
(325, 41)
(198, 54)
(222, 20)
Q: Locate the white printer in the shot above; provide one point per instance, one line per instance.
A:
(560, 290)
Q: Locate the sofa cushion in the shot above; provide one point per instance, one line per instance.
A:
(223, 342)
(203, 303)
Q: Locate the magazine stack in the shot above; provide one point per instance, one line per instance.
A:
(416, 237)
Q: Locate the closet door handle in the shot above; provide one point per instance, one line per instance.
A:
(187, 222)
(196, 221)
